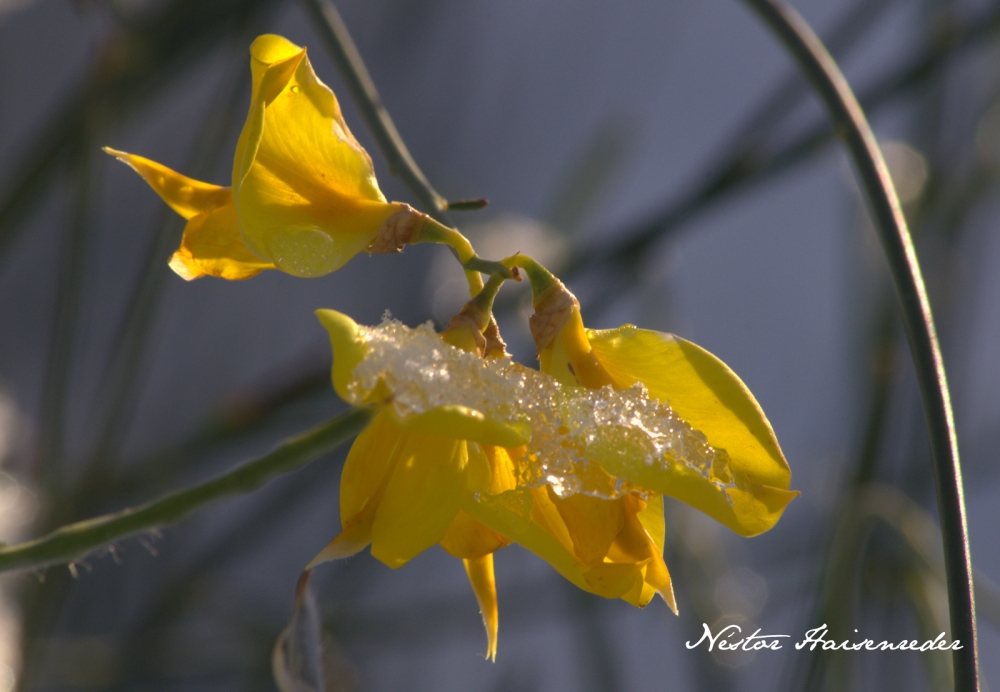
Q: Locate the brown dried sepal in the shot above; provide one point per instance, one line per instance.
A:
(552, 309)
(495, 345)
(398, 230)
(471, 319)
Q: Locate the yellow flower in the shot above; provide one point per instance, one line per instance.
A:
(453, 457)
(410, 472)
(571, 462)
(304, 198)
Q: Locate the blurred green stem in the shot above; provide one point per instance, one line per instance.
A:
(72, 270)
(850, 121)
(75, 541)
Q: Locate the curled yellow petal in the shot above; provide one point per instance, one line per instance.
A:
(355, 537)
(634, 544)
(187, 196)
(651, 518)
(467, 538)
(592, 524)
(480, 573)
(523, 516)
(569, 356)
(348, 348)
(212, 246)
(304, 188)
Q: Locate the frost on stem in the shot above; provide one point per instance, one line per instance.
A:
(572, 428)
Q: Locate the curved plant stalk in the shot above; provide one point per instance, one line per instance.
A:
(850, 121)
(75, 541)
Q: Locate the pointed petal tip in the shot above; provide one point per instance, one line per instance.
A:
(184, 269)
(339, 548)
(667, 594)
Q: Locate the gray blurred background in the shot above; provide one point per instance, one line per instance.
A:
(665, 159)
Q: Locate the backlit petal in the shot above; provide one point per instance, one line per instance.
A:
(467, 538)
(711, 398)
(480, 572)
(305, 189)
(635, 545)
(592, 524)
(513, 514)
(212, 246)
(366, 471)
(651, 517)
(425, 491)
(354, 538)
(503, 467)
(348, 348)
(187, 196)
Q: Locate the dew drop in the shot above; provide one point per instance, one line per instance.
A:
(304, 251)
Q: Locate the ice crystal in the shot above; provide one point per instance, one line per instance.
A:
(572, 428)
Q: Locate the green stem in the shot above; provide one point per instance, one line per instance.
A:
(540, 278)
(75, 541)
(352, 68)
(434, 231)
(849, 119)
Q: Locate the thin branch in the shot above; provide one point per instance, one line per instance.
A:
(850, 121)
(73, 542)
(345, 54)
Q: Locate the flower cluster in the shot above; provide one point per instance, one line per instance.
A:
(468, 449)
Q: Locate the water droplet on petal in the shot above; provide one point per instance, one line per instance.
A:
(304, 251)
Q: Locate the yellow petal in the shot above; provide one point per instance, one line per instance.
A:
(513, 515)
(480, 572)
(592, 524)
(305, 189)
(355, 537)
(425, 491)
(711, 398)
(503, 467)
(348, 345)
(635, 545)
(187, 196)
(570, 359)
(651, 517)
(366, 471)
(212, 246)
(467, 538)
(467, 424)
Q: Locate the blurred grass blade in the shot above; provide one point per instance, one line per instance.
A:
(72, 271)
(76, 541)
(123, 376)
